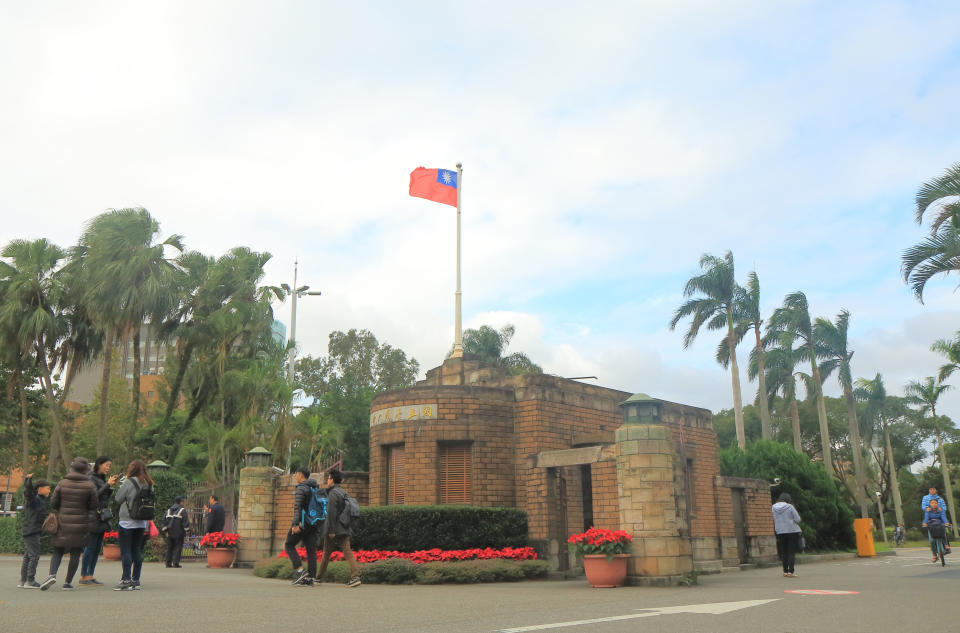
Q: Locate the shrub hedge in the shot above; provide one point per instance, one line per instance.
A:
(412, 528)
(11, 541)
(402, 572)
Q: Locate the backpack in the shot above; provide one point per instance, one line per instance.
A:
(316, 509)
(350, 511)
(142, 508)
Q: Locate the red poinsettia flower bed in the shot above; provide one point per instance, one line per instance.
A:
(111, 537)
(600, 541)
(220, 539)
(432, 555)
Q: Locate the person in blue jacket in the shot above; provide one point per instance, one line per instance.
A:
(925, 505)
(934, 516)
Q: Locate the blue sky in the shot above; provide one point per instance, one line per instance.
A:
(606, 146)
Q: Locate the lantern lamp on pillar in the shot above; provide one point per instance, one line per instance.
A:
(158, 465)
(258, 456)
(641, 409)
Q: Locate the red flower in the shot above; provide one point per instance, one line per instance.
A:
(219, 539)
(432, 555)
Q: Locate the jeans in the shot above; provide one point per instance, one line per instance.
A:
(31, 556)
(90, 554)
(58, 553)
(787, 544)
(341, 543)
(309, 538)
(174, 550)
(131, 552)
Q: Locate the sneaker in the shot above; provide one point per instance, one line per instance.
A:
(21, 584)
(66, 586)
(94, 581)
(123, 585)
(300, 576)
(85, 581)
(136, 585)
(46, 584)
(31, 584)
(354, 582)
(178, 566)
(306, 582)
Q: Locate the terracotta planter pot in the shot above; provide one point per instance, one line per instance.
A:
(605, 573)
(221, 557)
(111, 551)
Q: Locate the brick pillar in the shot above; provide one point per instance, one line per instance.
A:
(649, 493)
(255, 515)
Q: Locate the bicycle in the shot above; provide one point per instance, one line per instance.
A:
(938, 533)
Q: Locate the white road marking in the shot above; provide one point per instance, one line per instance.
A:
(714, 608)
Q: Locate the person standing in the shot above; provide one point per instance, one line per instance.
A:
(104, 483)
(337, 534)
(786, 523)
(216, 515)
(34, 512)
(137, 486)
(302, 530)
(941, 504)
(74, 500)
(177, 526)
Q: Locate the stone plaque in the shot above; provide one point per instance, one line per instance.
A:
(404, 414)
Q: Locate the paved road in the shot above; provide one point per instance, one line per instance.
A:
(892, 590)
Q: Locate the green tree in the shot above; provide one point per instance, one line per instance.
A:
(781, 363)
(491, 346)
(714, 305)
(925, 395)
(878, 413)
(793, 319)
(834, 351)
(939, 252)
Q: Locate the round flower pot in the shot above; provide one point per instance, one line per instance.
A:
(220, 557)
(605, 573)
(111, 551)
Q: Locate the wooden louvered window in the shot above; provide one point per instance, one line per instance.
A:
(454, 465)
(396, 476)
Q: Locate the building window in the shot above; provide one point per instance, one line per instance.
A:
(396, 476)
(454, 463)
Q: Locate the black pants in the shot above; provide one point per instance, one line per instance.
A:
(787, 544)
(309, 538)
(75, 554)
(31, 556)
(174, 550)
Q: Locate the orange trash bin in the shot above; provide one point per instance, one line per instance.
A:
(864, 531)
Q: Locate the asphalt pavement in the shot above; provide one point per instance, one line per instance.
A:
(903, 594)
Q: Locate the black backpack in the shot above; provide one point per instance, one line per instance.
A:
(350, 511)
(142, 507)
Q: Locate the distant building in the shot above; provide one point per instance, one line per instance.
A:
(279, 331)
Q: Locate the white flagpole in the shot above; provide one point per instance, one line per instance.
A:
(458, 333)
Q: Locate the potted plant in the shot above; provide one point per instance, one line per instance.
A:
(221, 548)
(111, 545)
(605, 554)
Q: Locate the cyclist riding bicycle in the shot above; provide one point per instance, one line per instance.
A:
(935, 520)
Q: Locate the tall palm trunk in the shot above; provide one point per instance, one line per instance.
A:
(894, 483)
(105, 388)
(68, 382)
(856, 447)
(821, 413)
(58, 449)
(951, 504)
(183, 363)
(136, 387)
(795, 418)
(24, 422)
(766, 426)
(735, 377)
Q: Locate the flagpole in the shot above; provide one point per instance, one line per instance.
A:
(458, 332)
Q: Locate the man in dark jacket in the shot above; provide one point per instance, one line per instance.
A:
(177, 522)
(216, 515)
(34, 512)
(303, 530)
(337, 534)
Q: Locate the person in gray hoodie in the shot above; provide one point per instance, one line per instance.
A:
(786, 523)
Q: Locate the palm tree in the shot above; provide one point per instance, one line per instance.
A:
(874, 394)
(832, 348)
(925, 396)
(793, 318)
(715, 306)
(490, 345)
(748, 318)
(30, 307)
(781, 364)
(949, 350)
(940, 251)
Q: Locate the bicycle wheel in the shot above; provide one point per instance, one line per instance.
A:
(940, 550)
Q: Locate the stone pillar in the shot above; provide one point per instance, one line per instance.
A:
(649, 493)
(255, 514)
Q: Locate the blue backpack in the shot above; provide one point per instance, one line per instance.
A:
(316, 509)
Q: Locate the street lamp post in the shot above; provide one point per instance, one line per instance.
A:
(883, 525)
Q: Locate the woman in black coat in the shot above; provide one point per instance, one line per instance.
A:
(103, 481)
(74, 500)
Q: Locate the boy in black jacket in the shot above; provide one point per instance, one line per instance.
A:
(34, 513)
(177, 524)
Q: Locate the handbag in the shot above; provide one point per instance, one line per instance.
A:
(105, 514)
(51, 525)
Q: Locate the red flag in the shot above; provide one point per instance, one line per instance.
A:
(439, 185)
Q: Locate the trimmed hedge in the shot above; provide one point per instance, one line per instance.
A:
(11, 540)
(402, 572)
(413, 528)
